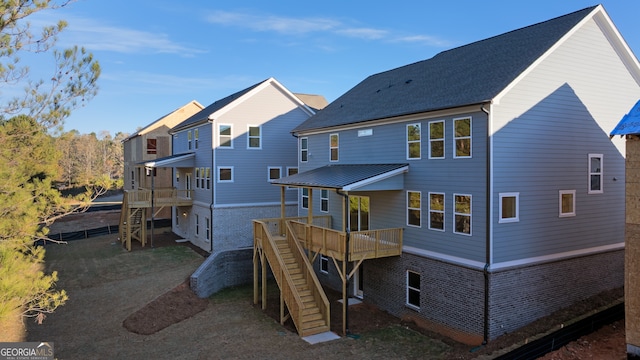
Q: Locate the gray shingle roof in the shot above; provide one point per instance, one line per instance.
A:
(466, 75)
(339, 176)
(202, 115)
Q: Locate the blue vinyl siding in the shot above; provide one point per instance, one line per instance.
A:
(277, 117)
(387, 144)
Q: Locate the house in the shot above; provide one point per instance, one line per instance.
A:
(489, 165)
(151, 142)
(629, 127)
(232, 149)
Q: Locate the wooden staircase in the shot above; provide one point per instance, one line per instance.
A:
(133, 224)
(299, 287)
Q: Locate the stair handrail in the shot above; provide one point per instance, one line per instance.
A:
(291, 297)
(309, 273)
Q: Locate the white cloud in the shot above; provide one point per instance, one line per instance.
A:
(278, 24)
(97, 36)
(364, 33)
(301, 26)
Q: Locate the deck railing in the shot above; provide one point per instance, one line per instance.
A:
(161, 197)
(263, 239)
(320, 238)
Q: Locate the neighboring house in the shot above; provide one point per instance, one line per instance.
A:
(629, 127)
(152, 142)
(494, 161)
(226, 155)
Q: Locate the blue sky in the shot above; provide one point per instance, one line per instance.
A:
(157, 55)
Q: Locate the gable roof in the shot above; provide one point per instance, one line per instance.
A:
(159, 122)
(207, 113)
(466, 75)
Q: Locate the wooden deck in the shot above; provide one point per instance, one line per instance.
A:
(320, 238)
(161, 197)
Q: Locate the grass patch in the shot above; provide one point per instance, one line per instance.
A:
(407, 342)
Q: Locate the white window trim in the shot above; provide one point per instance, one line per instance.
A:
(517, 215)
(569, 214)
(218, 174)
(324, 199)
(470, 137)
(249, 137)
(444, 219)
(197, 220)
(323, 259)
(208, 177)
(408, 208)
(197, 176)
(408, 142)
(601, 174)
(189, 137)
(231, 136)
(409, 288)
(302, 196)
(443, 139)
(470, 215)
(269, 179)
(332, 147)
(304, 150)
(196, 133)
(289, 168)
(207, 224)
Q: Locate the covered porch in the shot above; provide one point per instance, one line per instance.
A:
(311, 235)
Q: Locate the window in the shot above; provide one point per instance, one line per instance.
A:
(197, 178)
(189, 139)
(567, 203)
(202, 179)
(195, 138)
(305, 198)
(414, 208)
(254, 137)
(324, 200)
(595, 174)
(436, 140)
(436, 211)
(274, 173)
(413, 289)
(208, 177)
(207, 228)
(462, 214)
(225, 174)
(413, 141)
(151, 146)
(333, 147)
(324, 264)
(225, 134)
(197, 217)
(304, 149)
(509, 207)
(462, 137)
(291, 171)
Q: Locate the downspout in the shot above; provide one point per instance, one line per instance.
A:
(487, 231)
(211, 202)
(347, 229)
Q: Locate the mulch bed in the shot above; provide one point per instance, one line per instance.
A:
(178, 304)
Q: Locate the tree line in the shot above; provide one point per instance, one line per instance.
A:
(34, 164)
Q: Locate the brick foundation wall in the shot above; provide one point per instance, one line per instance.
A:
(521, 295)
(452, 296)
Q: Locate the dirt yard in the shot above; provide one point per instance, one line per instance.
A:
(137, 304)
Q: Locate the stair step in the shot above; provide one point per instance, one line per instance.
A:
(313, 324)
(312, 317)
(314, 331)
